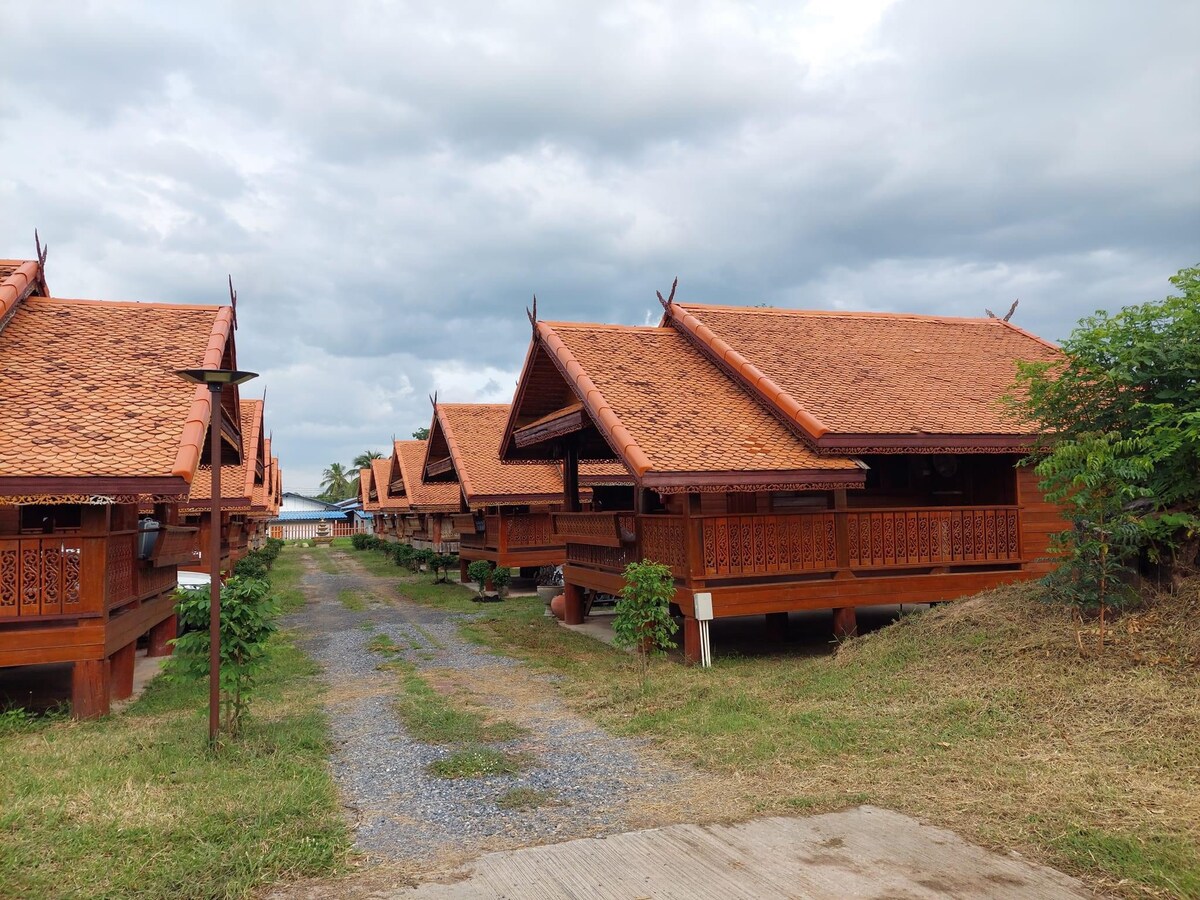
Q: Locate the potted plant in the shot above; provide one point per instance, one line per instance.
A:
(549, 581)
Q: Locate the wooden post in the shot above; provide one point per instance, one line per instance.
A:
(121, 671)
(571, 474)
(462, 570)
(691, 640)
(573, 613)
(160, 636)
(90, 689)
(841, 528)
(777, 627)
(845, 623)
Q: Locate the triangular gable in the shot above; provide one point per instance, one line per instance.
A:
(406, 484)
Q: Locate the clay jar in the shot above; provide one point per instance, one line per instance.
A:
(558, 606)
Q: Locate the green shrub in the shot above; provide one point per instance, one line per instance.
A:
(643, 621)
(440, 565)
(501, 579)
(360, 541)
(479, 571)
(248, 613)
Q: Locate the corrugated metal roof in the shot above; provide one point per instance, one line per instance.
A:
(301, 515)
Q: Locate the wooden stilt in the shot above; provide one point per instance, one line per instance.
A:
(121, 671)
(89, 689)
(691, 641)
(462, 571)
(777, 627)
(845, 623)
(574, 604)
(160, 635)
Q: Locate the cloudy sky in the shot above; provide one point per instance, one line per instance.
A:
(388, 183)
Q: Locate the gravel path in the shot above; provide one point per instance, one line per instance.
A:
(401, 814)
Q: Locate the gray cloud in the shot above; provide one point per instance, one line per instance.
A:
(388, 184)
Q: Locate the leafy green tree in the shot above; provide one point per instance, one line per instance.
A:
(643, 621)
(336, 483)
(421, 434)
(248, 613)
(1119, 416)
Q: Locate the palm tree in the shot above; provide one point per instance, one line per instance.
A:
(363, 460)
(335, 482)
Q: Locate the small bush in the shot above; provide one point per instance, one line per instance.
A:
(643, 621)
(479, 571)
(501, 579)
(360, 541)
(248, 614)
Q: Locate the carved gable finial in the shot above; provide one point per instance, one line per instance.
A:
(233, 302)
(41, 251)
(532, 313)
(666, 304)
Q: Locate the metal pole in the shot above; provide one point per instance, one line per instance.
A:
(214, 568)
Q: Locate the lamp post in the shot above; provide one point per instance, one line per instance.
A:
(215, 379)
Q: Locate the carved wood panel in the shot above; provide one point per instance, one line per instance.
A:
(532, 530)
(664, 540)
(916, 537)
(768, 544)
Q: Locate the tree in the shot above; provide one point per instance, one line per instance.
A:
(421, 434)
(336, 482)
(1119, 416)
(363, 460)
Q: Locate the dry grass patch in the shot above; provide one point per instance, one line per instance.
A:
(980, 716)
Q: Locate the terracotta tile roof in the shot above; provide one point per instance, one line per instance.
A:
(276, 487)
(374, 480)
(88, 390)
(19, 278)
(672, 415)
(421, 496)
(237, 479)
(472, 433)
(839, 374)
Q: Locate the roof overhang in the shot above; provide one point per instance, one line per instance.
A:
(42, 489)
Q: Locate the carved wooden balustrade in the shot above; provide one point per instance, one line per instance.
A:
(765, 546)
(83, 575)
(501, 533)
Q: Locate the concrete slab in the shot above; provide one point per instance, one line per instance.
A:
(859, 853)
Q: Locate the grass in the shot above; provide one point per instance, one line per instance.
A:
(525, 798)
(285, 580)
(136, 805)
(352, 600)
(979, 716)
(478, 762)
(435, 718)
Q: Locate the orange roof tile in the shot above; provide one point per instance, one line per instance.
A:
(384, 502)
(88, 389)
(669, 412)
(237, 479)
(472, 432)
(19, 278)
(846, 380)
(408, 458)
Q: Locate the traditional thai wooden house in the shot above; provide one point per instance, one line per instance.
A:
(505, 509)
(93, 424)
(376, 500)
(426, 509)
(789, 460)
(243, 497)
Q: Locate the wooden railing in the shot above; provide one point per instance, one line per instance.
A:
(508, 532)
(944, 535)
(176, 545)
(771, 545)
(71, 575)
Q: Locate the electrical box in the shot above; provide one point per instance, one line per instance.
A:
(702, 603)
